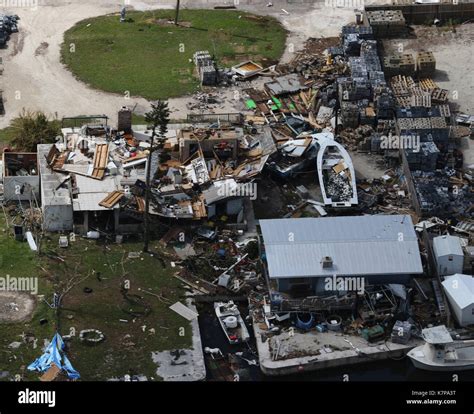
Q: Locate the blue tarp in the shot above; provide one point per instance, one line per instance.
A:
(54, 353)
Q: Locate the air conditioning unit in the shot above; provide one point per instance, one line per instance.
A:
(327, 262)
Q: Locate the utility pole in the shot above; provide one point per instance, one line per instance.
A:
(146, 221)
(158, 117)
(177, 13)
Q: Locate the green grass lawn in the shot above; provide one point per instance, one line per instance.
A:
(151, 59)
(17, 260)
(103, 268)
(128, 345)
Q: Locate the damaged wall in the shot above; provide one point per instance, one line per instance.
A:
(20, 176)
(58, 218)
(21, 188)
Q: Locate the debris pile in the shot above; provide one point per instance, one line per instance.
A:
(8, 25)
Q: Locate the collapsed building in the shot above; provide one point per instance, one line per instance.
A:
(95, 176)
(207, 172)
(84, 178)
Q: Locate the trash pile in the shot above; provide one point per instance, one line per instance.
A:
(387, 194)
(218, 263)
(8, 25)
(203, 102)
(210, 74)
(443, 194)
(207, 172)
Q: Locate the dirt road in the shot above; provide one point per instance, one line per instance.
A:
(35, 79)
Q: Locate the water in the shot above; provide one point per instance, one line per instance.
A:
(388, 370)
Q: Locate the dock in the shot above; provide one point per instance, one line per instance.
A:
(287, 353)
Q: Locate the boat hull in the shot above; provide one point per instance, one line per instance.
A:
(325, 146)
(241, 333)
(424, 363)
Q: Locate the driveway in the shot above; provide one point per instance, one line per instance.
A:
(35, 79)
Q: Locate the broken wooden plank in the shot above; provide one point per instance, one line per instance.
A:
(136, 157)
(51, 374)
(101, 158)
(111, 199)
(140, 204)
(192, 284)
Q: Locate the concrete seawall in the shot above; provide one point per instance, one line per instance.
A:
(360, 351)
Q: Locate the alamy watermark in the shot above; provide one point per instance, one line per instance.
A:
(239, 190)
(28, 396)
(344, 284)
(19, 284)
(411, 141)
(344, 4)
(30, 4)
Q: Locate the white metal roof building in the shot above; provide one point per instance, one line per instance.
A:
(378, 245)
(459, 289)
(449, 255)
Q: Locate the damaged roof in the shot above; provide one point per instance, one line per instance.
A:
(357, 245)
(53, 193)
(286, 84)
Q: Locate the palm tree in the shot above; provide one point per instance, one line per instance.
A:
(31, 129)
(158, 118)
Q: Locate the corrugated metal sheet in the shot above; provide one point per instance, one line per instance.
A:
(90, 202)
(286, 84)
(361, 245)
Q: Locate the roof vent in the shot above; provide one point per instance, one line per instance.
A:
(327, 262)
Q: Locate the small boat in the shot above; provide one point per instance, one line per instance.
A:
(231, 322)
(335, 172)
(441, 353)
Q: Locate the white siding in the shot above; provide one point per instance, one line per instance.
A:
(450, 264)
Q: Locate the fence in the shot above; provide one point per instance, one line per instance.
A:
(236, 119)
(410, 184)
(423, 13)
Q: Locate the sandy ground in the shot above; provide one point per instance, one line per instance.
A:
(454, 54)
(35, 79)
(16, 306)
